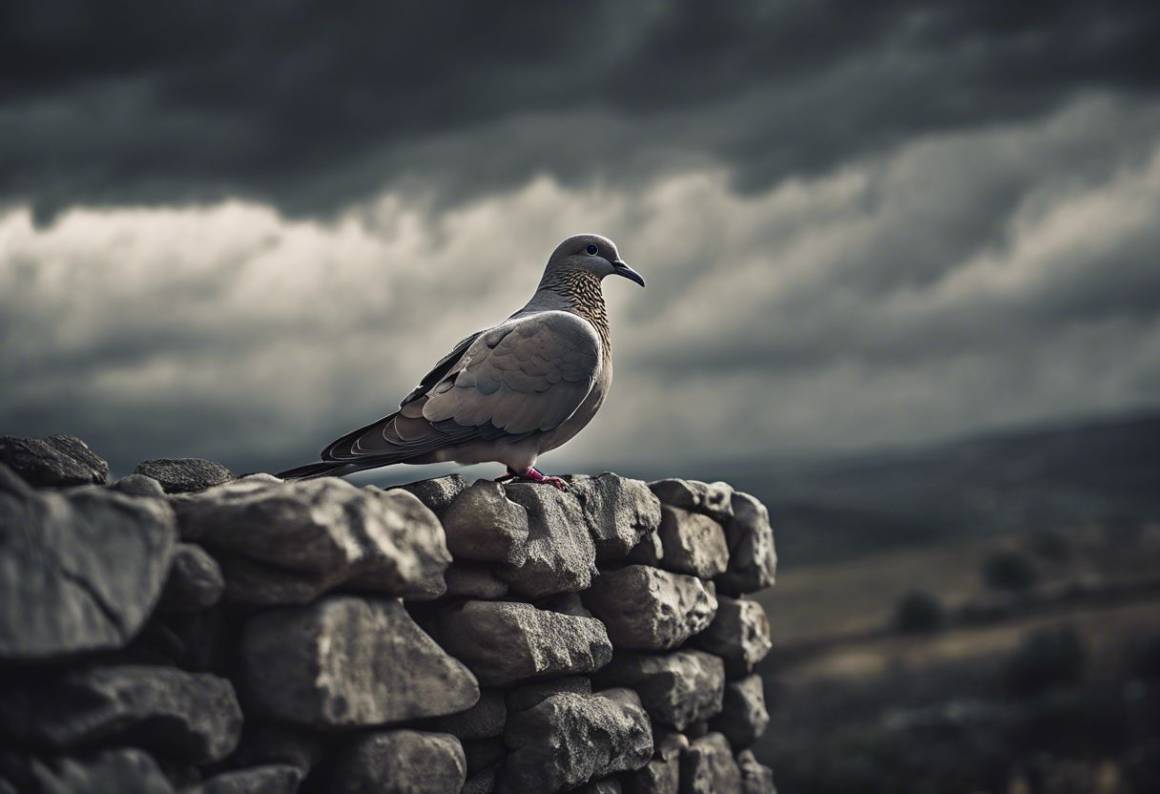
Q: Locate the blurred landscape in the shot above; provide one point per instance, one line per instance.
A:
(982, 615)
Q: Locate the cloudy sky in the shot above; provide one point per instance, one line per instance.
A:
(863, 224)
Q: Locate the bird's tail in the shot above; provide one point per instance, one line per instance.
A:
(322, 469)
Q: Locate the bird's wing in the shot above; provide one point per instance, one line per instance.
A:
(526, 375)
(405, 432)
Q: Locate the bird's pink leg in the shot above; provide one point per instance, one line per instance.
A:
(535, 475)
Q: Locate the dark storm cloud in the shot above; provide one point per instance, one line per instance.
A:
(312, 107)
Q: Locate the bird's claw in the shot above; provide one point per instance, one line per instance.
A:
(535, 476)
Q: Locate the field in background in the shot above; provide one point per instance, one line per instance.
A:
(1041, 682)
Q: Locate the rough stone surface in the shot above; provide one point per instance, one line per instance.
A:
(194, 582)
(752, 555)
(689, 543)
(124, 771)
(138, 485)
(608, 785)
(79, 570)
(186, 716)
(739, 634)
(711, 498)
(482, 524)
(271, 779)
(506, 641)
(54, 461)
(400, 762)
(619, 512)
(185, 475)
(676, 689)
(662, 774)
(561, 554)
(483, 720)
(569, 739)
(708, 767)
(473, 581)
(347, 661)
(645, 608)
(756, 778)
(743, 718)
(528, 695)
(326, 532)
(438, 493)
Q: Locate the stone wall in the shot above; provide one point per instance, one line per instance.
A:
(180, 630)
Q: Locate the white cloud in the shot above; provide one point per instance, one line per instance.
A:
(964, 280)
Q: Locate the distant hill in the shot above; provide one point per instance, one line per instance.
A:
(1102, 471)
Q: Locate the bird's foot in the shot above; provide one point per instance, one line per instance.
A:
(535, 475)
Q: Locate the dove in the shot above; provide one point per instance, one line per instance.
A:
(505, 394)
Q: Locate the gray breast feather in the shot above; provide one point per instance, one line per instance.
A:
(530, 373)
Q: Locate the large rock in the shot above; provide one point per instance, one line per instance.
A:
(400, 762)
(125, 771)
(619, 512)
(185, 475)
(743, 718)
(710, 498)
(676, 689)
(482, 721)
(438, 493)
(739, 634)
(184, 716)
(54, 461)
(504, 641)
(325, 532)
(138, 485)
(271, 779)
(569, 739)
(482, 524)
(708, 767)
(79, 570)
(648, 609)
(561, 555)
(752, 556)
(662, 774)
(689, 543)
(194, 582)
(345, 662)
(608, 785)
(756, 778)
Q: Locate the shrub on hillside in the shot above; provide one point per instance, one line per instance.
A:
(1009, 570)
(919, 612)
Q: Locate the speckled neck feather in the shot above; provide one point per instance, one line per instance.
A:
(581, 290)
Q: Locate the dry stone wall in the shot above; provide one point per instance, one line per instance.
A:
(182, 630)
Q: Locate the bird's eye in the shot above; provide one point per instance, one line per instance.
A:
(591, 249)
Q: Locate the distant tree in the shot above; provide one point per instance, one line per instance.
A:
(1009, 570)
(919, 612)
(1044, 660)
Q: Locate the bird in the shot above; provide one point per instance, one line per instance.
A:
(508, 393)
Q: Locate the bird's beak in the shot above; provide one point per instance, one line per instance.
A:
(622, 269)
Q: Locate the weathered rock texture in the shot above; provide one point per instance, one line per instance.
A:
(254, 636)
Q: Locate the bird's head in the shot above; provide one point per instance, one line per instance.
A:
(592, 253)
